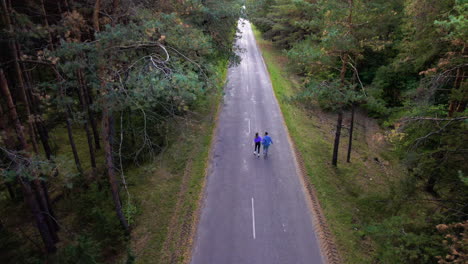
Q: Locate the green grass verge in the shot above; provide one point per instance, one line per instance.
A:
(342, 191)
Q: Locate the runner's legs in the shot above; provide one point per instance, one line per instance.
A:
(265, 150)
(257, 146)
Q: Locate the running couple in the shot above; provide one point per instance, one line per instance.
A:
(266, 142)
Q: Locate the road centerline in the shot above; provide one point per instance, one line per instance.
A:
(253, 218)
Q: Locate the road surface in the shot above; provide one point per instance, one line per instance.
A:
(254, 209)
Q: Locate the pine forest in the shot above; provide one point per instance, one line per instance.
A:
(111, 114)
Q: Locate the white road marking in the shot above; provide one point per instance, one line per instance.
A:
(249, 125)
(244, 165)
(253, 218)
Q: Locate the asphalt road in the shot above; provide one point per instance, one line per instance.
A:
(254, 209)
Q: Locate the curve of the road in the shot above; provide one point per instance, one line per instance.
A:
(254, 209)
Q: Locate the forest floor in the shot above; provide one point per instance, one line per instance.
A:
(344, 192)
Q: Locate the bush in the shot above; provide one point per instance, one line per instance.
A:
(83, 251)
(96, 220)
(403, 240)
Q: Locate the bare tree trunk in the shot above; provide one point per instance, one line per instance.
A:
(455, 105)
(49, 205)
(132, 129)
(340, 113)
(11, 192)
(337, 138)
(14, 50)
(115, 7)
(92, 118)
(72, 141)
(107, 124)
(430, 186)
(68, 116)
(12, 110)
(8, 141)
(46, 23)
(45, 210)
(59, 7)
(41, 129)
(351, 128)
(97, 9)
(19, 75)
(6, 132)
(41, 223)
(67, 6)
(344, 68)
(85, 108)
(106, 139)
(39, 186)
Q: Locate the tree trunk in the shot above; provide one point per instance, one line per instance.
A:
(6, 132)
(44, 207)
(44, 136)
(12, 111)
(46, 23)
(92, 120)
(351, 128)
(67, 6)
(97, 8)
(106, 140)
(11, 192)
(19, 74)
(8, 141)
(30, 118)
(89, 139)
(72, 141)
(41, 223)
(49, 205)
(350, 16)
(115, 11)
(107, 127)
(68, 116)
(340, 112)
(85, 108)
(41, 129)
(337, 138)
(455, 105)
(430, 186)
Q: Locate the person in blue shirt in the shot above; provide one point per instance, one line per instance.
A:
(266, 142)
(257, 141)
